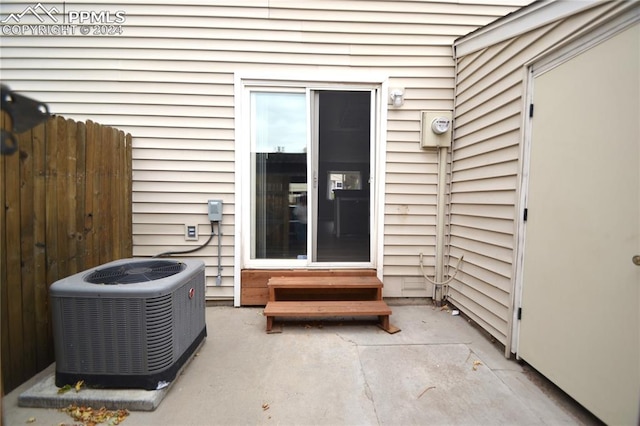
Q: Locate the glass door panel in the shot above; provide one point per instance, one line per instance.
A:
(297, 220)
(278, 175)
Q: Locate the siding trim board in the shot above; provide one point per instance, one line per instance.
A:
(598, 31)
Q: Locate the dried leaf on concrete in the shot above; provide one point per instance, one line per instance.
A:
(90, 417)
(65, 388)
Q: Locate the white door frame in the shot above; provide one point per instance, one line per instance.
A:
(243, 84)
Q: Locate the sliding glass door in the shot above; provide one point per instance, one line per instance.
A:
(310, 176)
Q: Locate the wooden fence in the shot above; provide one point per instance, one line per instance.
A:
(66, 207)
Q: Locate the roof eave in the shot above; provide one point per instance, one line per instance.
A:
(519, 22)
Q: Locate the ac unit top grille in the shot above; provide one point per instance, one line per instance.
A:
(135, 272)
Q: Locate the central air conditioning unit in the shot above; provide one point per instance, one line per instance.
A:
(131, 323)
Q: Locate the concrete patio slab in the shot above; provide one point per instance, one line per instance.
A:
(436, 384)
(438, 370)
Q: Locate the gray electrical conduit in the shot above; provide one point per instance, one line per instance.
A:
(444, 283)
(219, 277)
(169, 253)
(213, 233)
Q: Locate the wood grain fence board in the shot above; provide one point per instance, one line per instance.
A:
(42, 318)
(81, 182)
(25, 141)
(5, 354)
(117, 174)
(89, 229)
(71, 183)
(127, 188)
(4, 317)
(114, 189)
(108, 160)
(96, 168)
(14, 291)
(103, 193)
(62, 150)
(51, 194)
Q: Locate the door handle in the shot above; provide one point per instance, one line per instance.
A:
(636, 259)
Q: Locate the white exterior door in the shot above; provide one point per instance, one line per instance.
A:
(580, 323)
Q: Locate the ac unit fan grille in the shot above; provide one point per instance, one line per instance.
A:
(135, 272)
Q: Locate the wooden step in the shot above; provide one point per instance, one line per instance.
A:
(325, 282)
(330, 309)
(332, 288)
(327, 308)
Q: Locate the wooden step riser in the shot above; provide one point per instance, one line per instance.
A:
(335, 295)
(325, 288)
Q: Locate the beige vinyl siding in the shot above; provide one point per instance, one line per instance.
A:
(489, 107)
(169, 81)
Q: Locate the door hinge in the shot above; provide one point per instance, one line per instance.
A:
(530, 110)
(519, 313)
(525, 215)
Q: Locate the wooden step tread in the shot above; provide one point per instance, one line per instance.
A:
(325, 282)
(327, 308)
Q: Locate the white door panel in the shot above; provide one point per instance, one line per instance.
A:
(580, 321)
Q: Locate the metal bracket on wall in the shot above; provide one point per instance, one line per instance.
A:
(25, 113)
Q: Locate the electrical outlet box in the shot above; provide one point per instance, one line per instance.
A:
(215, 210)
(436, 129)
(191, 232)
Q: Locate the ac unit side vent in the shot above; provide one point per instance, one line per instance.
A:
(187, 304)
(98, 326)
(159, 313)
